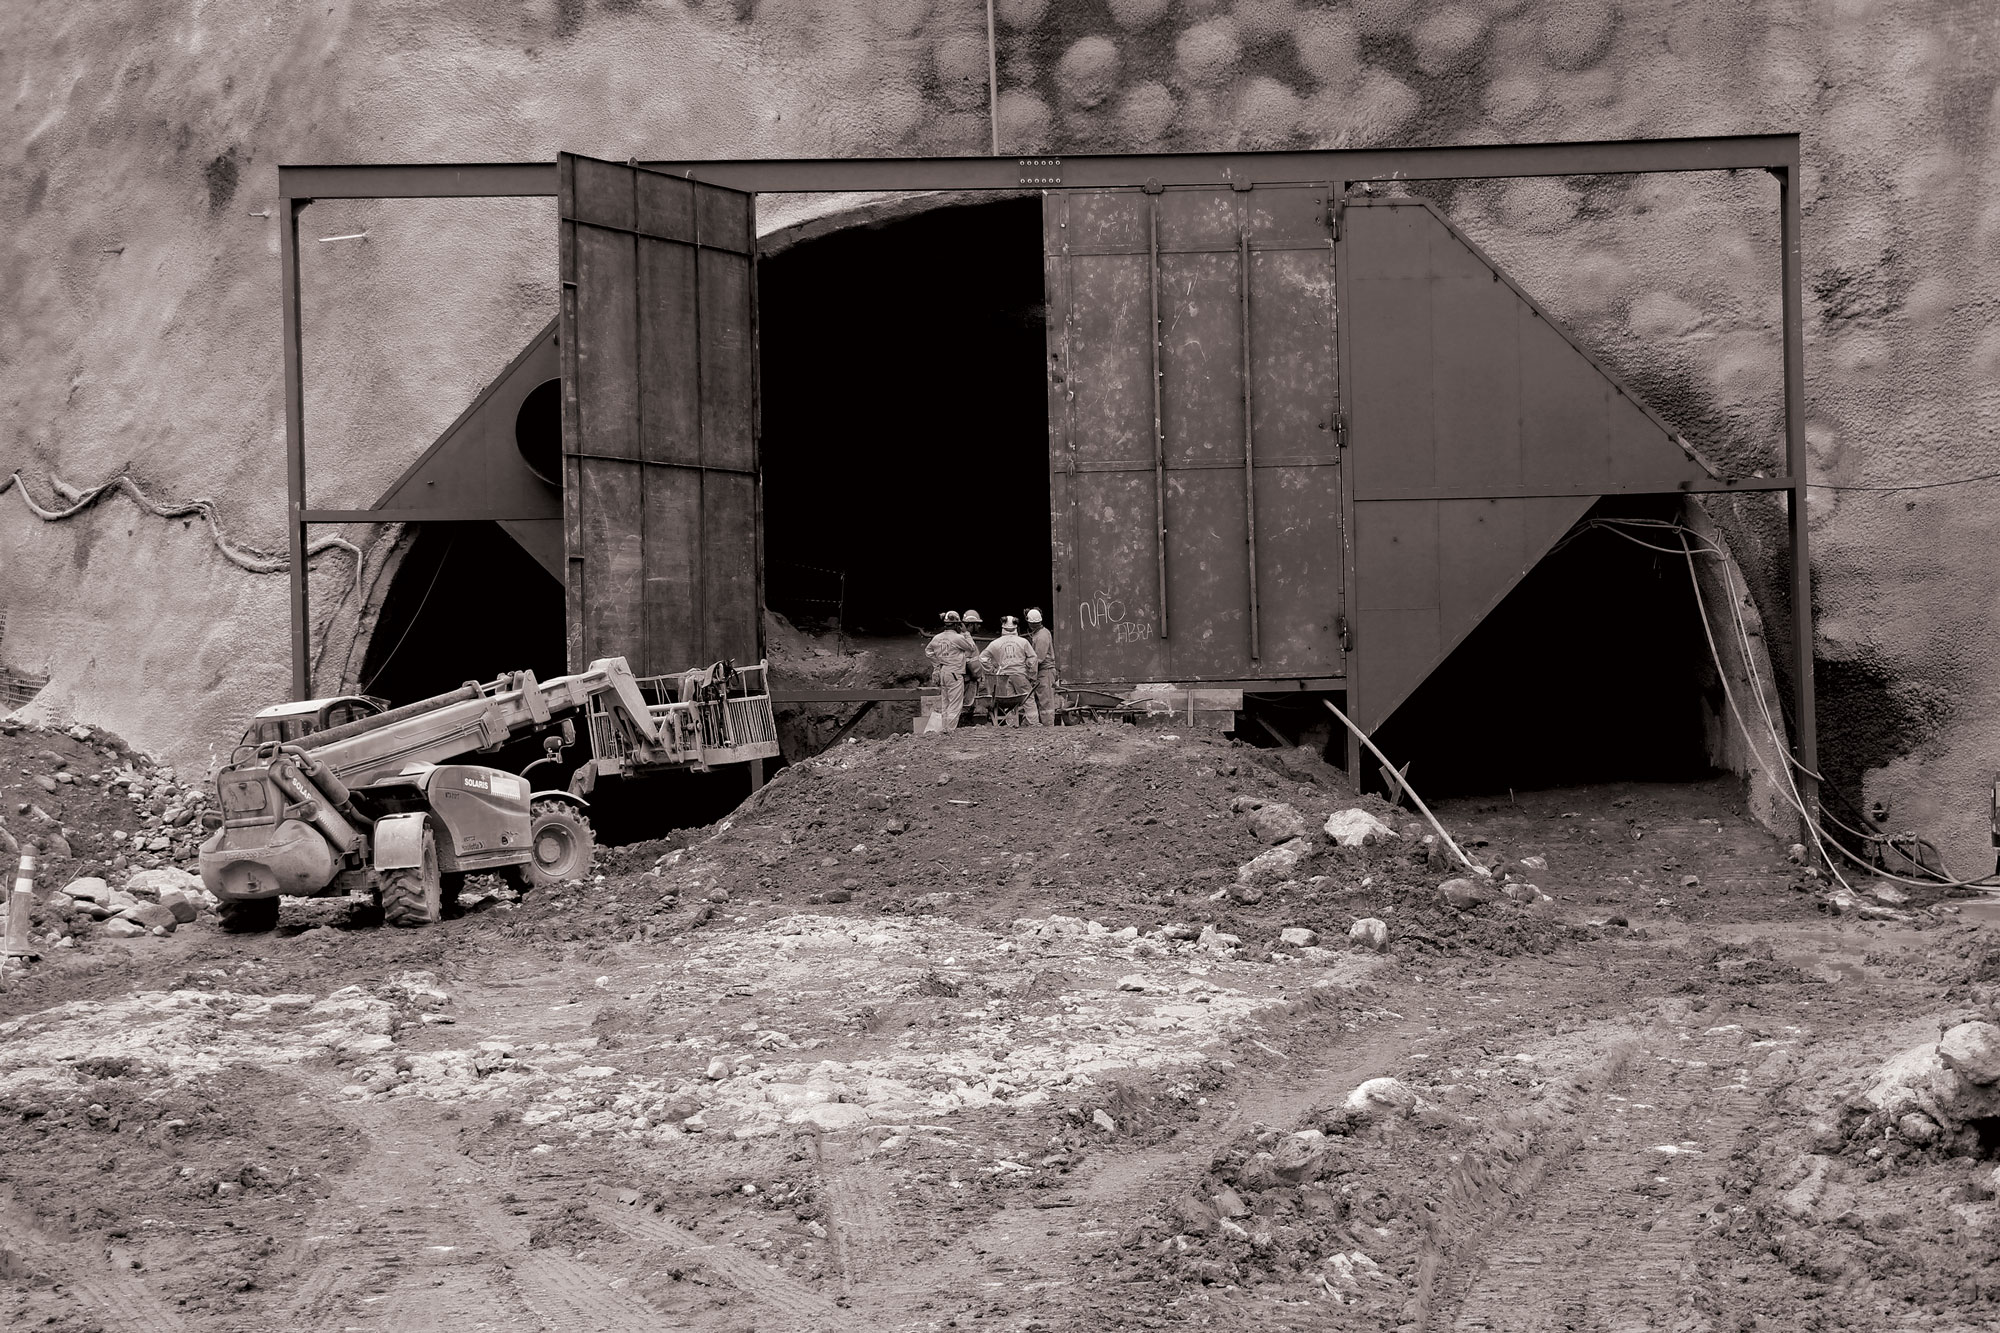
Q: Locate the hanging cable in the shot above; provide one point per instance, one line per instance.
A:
(422, 602)
(1788, 789)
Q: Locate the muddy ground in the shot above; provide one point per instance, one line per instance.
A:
(987, 1031)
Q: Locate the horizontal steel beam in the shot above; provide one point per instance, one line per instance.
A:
(1715, 487)
(780, 695)
(1090, 171)
(448, 180)
(458, 514)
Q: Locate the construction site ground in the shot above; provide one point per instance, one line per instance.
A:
(950, 1032)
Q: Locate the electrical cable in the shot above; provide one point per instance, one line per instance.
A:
(1913, 486)
(1789, 790)
(422, 602)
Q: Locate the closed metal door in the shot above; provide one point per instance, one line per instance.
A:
(1194, 461)
(661, 513)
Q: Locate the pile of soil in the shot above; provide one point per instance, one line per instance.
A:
(93, 805)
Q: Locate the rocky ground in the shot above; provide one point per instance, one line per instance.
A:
(1063, 1030)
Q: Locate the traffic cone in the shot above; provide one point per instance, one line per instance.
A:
(19, 903)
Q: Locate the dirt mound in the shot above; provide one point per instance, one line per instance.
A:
(93, 805)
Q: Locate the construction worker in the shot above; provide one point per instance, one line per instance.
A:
(1012, 661)
(951, 649)
(1044, 644)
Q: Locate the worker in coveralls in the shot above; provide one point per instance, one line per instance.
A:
(1044, 644)
(951, 649)
(1012, 661)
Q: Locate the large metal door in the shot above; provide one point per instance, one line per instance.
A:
(661, 512)
(1194, 462)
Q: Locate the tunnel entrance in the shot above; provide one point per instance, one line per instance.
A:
(1593, 669)
(468, 603)
(905, 421)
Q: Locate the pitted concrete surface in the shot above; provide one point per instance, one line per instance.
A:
(139, 202)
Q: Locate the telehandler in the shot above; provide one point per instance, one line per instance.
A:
(334, 796)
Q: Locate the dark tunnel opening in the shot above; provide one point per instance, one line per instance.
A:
(468, 603)
(1593, 669)
(905, 427)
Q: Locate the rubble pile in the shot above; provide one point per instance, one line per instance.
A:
(95, 806)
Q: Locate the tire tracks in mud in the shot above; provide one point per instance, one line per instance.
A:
(448, 1246)
(1594, 1225)
(122, 1303)
(778, 1292)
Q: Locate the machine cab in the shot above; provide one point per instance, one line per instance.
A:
(290, 722)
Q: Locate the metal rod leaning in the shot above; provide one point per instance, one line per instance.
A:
(1415, 799)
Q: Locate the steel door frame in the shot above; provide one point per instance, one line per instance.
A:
(299, 186)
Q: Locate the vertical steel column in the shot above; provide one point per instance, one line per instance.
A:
(295, 448)
(1249, 453)
(992, 80)
(1159, 426)
(1806, 737)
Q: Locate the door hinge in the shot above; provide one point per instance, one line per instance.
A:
(1340, 430)
(1333, 208)
(1346, 634)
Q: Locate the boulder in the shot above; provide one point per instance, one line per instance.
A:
(1277, 822)
(153, 883)
(1849, 903)
(1921, 1080)
(1381, 1097)
(1466, 894)
(1535, 864)
(1277, 863)
(91, 888)
(1357, 828)
(120, 929)
(1882, 891)
(831, 1115)
(1243, 804)
(1369, 932)
(1972, 1051)
(1524, 893)
(1298, 937)
(1215, 941)
(151, 915)
(183, 909)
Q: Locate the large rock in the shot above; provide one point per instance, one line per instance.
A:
(183, 909)
(1382, 1096)
(1298, 937)
(90, 888)
(118, 928)
(1277, 863)
(1370, 932)
(1466, 894)
(1921, 1080)
(1357, 828)
(150, 915)
(153, 883)
(1278, 822)
(1972, 1051)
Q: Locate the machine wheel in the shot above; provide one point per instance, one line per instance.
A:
(560, 845)
(247, 916)
(414, 897)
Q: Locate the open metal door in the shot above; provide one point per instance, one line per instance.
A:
(1479, 432)
(662, 518)
(1194, 465)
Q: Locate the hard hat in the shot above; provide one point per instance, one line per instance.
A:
(1034, 616)
(972, 618)
(1008, 622)
(949, 617)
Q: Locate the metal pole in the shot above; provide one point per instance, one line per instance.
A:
(1415, 799)
(1249, 458)
(992, 80)
(295, 449)
(1159, 423)
(1806, 735)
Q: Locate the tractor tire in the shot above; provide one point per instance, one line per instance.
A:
(560, 846)
(247, 916)
(415, 896)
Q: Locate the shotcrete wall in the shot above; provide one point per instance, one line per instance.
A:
(141, 267)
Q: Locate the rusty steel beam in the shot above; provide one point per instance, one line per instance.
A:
(441, 180)
(458, 180)
(295, 448)
(1805, 734)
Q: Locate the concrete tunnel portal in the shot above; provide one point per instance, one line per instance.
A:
(905, 469)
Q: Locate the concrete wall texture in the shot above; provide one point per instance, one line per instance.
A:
(141, 272)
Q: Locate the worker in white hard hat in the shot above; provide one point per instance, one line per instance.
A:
(951, 648)
(1011, 659)
(1043, 711)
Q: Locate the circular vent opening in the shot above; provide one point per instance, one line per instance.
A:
(538, 431)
